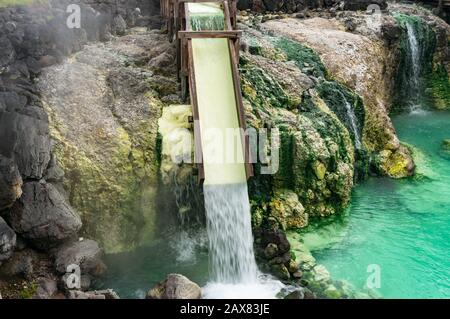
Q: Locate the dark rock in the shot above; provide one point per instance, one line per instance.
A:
(21, 263)
(361, 5)
(297, 294)
(10, 183)
(46, 288)
(271, 251)
(86, 254)
(43, 216)
(7, 53)
(175, 287)
(391, 31)
(7, 241)
(280, 271)
(25, 138)
(349, 25)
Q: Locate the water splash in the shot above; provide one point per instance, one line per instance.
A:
(230, 234)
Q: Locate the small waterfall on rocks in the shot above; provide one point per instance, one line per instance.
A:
(414, 57)
(353, 123)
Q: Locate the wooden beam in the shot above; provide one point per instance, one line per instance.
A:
(210, 34)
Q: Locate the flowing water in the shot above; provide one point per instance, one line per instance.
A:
(230, 234)
(414, 57)
(402, 226)
(353, 123)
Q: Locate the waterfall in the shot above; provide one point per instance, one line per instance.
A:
(234, 273)
(414, 60)
(353, 123)
(230, 234)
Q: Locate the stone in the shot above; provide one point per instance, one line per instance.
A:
(86, 254)
(7, 241)
(10, 183)
(25, 137)
(100, 294)
(280, 271)
(292, 266)
(175, 287)
(287, 209)
(7, 52)
(271, 251)
(362, 5)
(119, 25)
(46, 288)
(22, 263)
(43, 217)
(296, 294)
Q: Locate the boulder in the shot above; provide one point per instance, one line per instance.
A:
(100, 294)
(10, 183)
(23, 263)
(287, 209)
(86, 254)
(119, 25)
(43, 216)
(7, 241)
(362, 5)
(175, 287)
(46, 288)
(25, 138)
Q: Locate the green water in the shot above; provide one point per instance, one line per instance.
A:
(401, 225)
(134, 273)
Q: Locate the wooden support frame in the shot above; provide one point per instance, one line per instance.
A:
(177, 13)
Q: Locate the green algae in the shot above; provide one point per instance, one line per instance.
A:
(336, 95)
(261, 89)
(305, 58)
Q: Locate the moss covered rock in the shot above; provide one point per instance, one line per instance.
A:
(103, 113)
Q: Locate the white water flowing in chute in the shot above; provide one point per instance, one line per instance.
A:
(234, 273)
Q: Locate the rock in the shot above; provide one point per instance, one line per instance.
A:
(7, 241)
(7, 53)
(321, 274)
(43, 216)
(175, 287)
(396, 164)
(287, 209)
(46, 288)
(100, 294)
(362, 5)
(280, 271)
(292, 266)
(271, 251)
(10, 183)
(119, 25)
(332, 293)
(25, 138)
(86, 254)
(23, 263)
(297, 294)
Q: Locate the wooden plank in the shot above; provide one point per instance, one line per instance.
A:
(209, 34)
